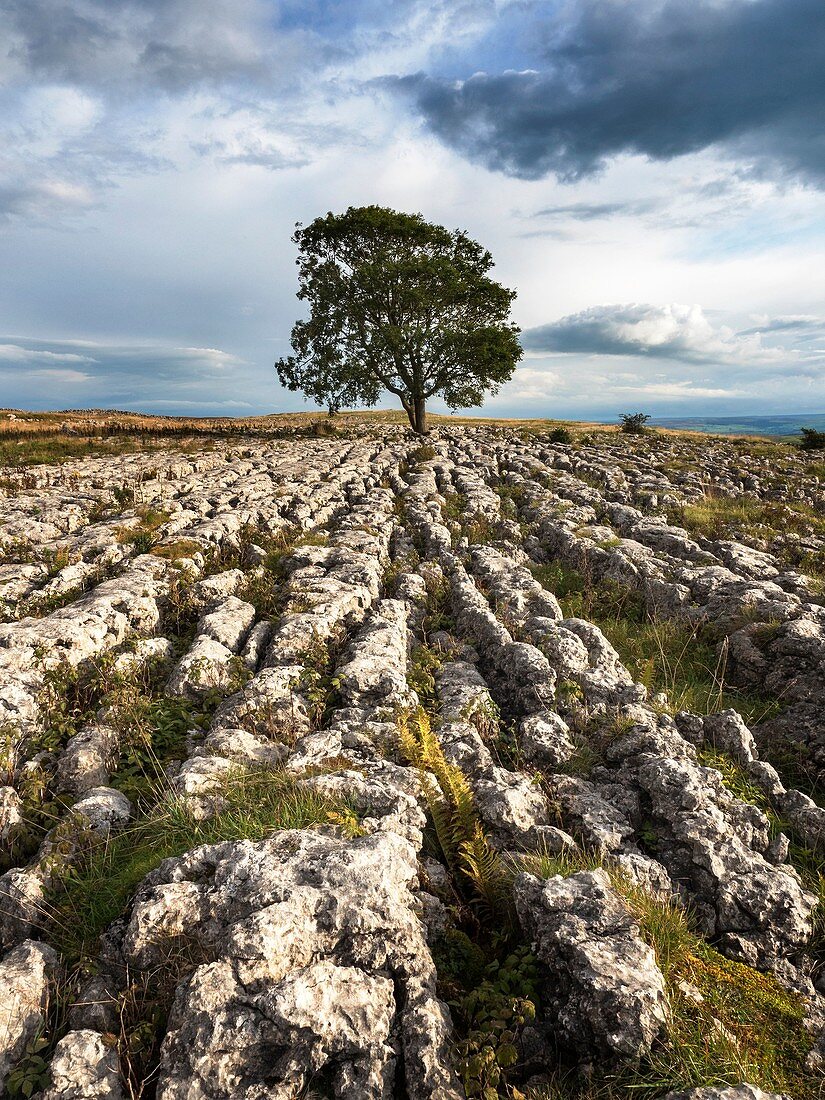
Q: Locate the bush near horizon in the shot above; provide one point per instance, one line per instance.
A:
(633, 423)
(812, 440)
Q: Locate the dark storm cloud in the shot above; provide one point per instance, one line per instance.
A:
(660, 79)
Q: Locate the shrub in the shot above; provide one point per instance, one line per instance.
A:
(494, 1014)
(812, 440)
(633, 423)
(560, 435)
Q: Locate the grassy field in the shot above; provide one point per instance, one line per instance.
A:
(28, 438)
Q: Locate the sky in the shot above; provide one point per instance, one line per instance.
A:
(649, 176)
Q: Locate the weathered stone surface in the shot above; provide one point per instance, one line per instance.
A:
(21, 906)
(229, 623)
(11, 817)
(607, 993)
(25, 979)
(377, 565)
(545, 739)
(88, 759)
(84, 1066)
(716, 843)
(310, 938)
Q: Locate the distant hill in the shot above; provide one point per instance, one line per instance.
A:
(784, 425)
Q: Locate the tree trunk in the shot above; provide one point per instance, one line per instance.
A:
(419, 423)
(416, 414)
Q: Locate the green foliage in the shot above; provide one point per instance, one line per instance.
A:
(424, 453)
(462, 843)
(31, 1074)
(454, 507)
(545, 864)
(317, 683)
(560, 435)
(54, 448)
(254, 804)
(437, 614)
(70, 697)
(734, 777)
(812, 440)
(155, 733)
(461, 963)
(180, 612)
(399, 304)
(422, 666)
(633, 423)
(492, 1016)
(144, 535)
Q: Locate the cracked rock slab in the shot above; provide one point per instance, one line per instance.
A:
(317, 963)
(603, 985)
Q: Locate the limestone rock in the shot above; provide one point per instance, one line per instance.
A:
(607, 993)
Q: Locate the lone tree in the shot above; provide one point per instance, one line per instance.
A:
(397, 304)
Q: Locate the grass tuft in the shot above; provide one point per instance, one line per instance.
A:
(255, 804)
(727, 1023)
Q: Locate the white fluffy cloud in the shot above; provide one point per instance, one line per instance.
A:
(681, 332)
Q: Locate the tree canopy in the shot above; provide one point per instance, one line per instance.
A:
(398, 304)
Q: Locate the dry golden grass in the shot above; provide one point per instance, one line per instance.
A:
(17, 424)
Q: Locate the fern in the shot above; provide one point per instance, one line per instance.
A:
(451, 805)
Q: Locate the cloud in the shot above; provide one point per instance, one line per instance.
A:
(15, 353)
(679, 332)
(593, 211)
(180, 404)
(41, 200)
(658, 78)
(92, 91)
(50, 373)
(171, 45)
(528, 384)
(178, 46)
(802, 328)
(684, 390)
(105, 360)
(62, 376)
